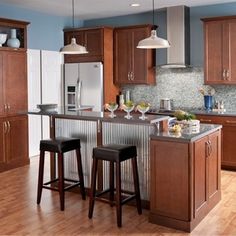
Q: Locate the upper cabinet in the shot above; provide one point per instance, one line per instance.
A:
(20, 28)
(92, 39)
(220, 50)
(99, 44)
(133, 65)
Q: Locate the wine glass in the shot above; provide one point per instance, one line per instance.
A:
(143, 110)
(128, 109)
(112, 107)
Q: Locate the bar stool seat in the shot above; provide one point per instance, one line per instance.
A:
(115, 154)
(60, 145)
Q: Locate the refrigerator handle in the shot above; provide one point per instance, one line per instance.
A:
(78, 92)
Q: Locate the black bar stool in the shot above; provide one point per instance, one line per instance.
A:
(115, 153)
(60, 145)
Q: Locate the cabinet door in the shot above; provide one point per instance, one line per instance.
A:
(139, 56)
(2, 102)
(230, 52)
(3, 130)
(122, 56)
(214, 52)
(200, 176)
(214, 165)
(15, 81)
(17, 148)
(229, 147)
(93, 41)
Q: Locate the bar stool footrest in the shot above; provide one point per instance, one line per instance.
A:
(75, 183)
(131, 196)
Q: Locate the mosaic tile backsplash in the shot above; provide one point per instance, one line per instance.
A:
(182, 86)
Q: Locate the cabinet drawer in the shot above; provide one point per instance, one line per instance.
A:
(222, 120)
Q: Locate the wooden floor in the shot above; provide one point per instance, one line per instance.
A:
(20, 215)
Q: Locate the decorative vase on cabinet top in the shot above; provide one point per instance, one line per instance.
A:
(13, 41)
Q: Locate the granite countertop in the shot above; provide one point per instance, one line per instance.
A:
(186, 135)
(64, 112)
(213, 113)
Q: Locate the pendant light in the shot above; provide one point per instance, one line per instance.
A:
(153, 41)
(73, 47)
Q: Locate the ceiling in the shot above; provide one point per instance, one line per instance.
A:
(92, 9)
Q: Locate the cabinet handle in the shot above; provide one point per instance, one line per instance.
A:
(5, 127)
(129, 75)
(9, 126)
(132, 75)
(224, 73)
(8, 107)
(5, 107)
(227, 74)
(206, 149)
(205, 120)
(210, 147)
(230, 121)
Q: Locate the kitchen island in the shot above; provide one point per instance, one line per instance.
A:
(96, 128)
(179, 173)
(185, 176)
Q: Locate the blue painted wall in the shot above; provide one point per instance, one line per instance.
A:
(45, 31)
(196, 27)
(137, 19)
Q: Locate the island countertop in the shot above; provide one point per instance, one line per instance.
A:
(186, 135)
(65, 113)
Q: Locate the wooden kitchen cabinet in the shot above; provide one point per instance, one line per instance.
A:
(220, 50)
(92, 39)
(185, 180)
(13, 82)
(99, 43)
(14, 144)
(133, 65)
(207, 153)
(13, 99)
(228, 136)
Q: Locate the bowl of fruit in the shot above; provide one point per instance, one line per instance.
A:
(143, 107)
(186, 119)
(128, 106)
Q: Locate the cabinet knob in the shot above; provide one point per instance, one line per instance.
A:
(8, 107)
(5, 107)
(132, 75)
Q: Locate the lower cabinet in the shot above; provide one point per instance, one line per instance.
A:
(185, 180)
(228, 160)
(14, 142)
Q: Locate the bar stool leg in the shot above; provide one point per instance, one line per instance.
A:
(61, 181)
(111, 182)
(136, 184)
(80, 172)
(93, 188)
(40, 176)
(118, 194)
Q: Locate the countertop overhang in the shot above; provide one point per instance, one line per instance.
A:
(64, 112)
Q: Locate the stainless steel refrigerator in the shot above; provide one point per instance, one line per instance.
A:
(83, 85)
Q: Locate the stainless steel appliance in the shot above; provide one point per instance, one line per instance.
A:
(165, 104)
(83, 85)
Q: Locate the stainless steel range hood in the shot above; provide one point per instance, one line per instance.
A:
(178, 34)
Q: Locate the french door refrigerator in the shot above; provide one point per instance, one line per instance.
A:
(83, 85)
